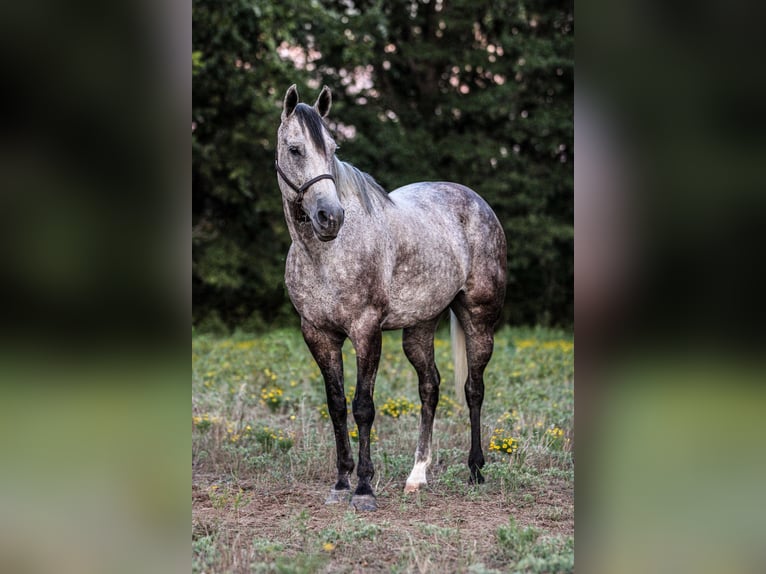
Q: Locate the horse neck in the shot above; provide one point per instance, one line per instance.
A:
(364, 199)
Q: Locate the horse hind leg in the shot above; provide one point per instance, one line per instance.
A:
(478, 321)
(418, 345)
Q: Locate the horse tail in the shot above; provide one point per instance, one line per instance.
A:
(459, 358)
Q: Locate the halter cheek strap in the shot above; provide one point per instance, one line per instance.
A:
(300, 190)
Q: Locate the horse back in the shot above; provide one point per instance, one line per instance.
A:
(444, 239)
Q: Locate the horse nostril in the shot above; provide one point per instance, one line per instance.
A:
(323, 218)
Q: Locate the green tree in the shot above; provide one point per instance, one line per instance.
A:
(238, 238)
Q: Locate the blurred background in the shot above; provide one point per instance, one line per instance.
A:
(94, 200)
(670, 211)
(479, 93)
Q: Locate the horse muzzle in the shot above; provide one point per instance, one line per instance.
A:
(327, 221)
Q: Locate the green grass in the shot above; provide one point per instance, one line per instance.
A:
(260, 431)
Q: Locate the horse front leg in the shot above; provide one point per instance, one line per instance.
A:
(367, 345)
(326, 347)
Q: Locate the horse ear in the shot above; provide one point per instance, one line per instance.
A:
(324, 102)
(291, 100)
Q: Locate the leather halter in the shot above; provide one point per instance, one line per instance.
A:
(300, 190)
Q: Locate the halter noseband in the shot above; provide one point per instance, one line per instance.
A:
(303, 188)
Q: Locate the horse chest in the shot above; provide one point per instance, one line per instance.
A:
(332, 293)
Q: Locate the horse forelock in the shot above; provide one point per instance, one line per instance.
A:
(312, 123)
(353, 182)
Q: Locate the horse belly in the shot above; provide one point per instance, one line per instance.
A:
(413, 311)
(418, 293)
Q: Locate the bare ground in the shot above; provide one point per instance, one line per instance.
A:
(430, 531)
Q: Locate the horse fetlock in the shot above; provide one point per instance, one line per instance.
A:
(417, 477)
(343, 483)
(363, 487)
(475, 467)
(476, 477)
(412, 487)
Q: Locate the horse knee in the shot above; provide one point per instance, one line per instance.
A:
(364, 410)
(336, 405)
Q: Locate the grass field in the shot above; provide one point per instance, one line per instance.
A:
(263, 460)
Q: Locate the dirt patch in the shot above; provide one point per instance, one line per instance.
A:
(428, 531)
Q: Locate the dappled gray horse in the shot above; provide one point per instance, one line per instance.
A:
(363, 261)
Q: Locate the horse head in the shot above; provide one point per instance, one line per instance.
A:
(305, 160)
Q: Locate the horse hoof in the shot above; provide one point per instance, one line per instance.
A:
(412, 487)
(337, 496)
(364, 503)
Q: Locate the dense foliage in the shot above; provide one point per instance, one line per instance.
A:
(475, 92)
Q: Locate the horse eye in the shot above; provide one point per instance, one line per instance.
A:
(294, 150)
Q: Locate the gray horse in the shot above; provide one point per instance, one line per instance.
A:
(363, 261)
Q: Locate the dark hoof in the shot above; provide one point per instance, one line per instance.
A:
(337, 496)
(364, 503)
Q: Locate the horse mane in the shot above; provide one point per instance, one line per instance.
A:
(352, 181)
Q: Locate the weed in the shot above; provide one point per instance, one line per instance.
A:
(351, 529)
(395, 408)
(202, 423)
(454, 479)
(555, 472)
(554, 513)
(205, 553)
(551, 554)
(273, 397)
(525, 500)
(503, 443)
(480, 568)
(271, 439)
(266, 546)
(514, 541)
(439, 531)
(300, 564)
(511, 477)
